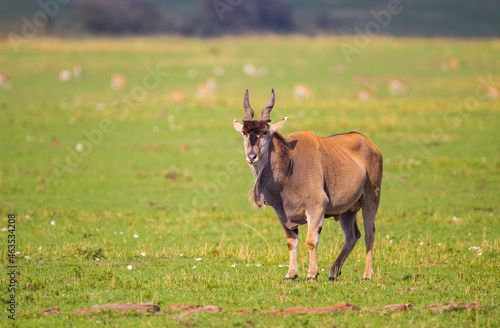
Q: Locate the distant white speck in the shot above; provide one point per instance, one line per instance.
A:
(17, 253)
(143, 254)
(390, 241)
(192, 73)
(96, 229)
(468, 234)
(421, 243)
(79, 147)
(219, 71)
(248, 265)
(4, 229)
(282, 265)
(387, 236)
(97, 259)
(181, 255)
(40, 248)
(194, 267)
(322, 269)
(199, 259)
(258, 265)
(129, 267)
(53, 222)
(491, 214)
(27, 257)
(480, 253)
(455, 218)
(115, 232)
(233, 265)
(136, 236)
(27, 216)
(121, 232)
(439, 244)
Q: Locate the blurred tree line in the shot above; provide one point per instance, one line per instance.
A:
(219, 17)
(215, 17)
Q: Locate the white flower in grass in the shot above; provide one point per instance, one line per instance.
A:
(97, 259)
(121, 232)
(258, 265)
(143, 254)
(27, 257)
(439, 244)
(233, 265)
(181, 254)
(199, 259)
(40, 248)
(115, 232)
(136, 236)
(194, 267)
(386, 236)
(129, 267)
(390, 241)
(322, 269)
(480, 253)
(421, 243)
(4, 229)
(248, 265)
(282, 265)
(53, 222)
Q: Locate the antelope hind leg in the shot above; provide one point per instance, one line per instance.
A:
(351, 236)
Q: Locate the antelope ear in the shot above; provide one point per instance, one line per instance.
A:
(276, 126)
(237, 126)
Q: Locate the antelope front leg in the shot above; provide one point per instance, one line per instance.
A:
(312, 241)
(292, 236)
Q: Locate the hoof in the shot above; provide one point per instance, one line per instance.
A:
(288, 278)
(367, 277)
(332, 278)
(312, 278)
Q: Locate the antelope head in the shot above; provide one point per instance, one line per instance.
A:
(257, 134)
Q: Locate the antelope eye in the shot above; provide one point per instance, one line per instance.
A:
(244, 133)
(265, 132)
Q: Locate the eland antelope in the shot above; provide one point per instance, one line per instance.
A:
(307, 178)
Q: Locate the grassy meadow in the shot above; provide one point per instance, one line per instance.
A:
(158, 184)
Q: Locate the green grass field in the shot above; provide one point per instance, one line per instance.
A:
(174, 175)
